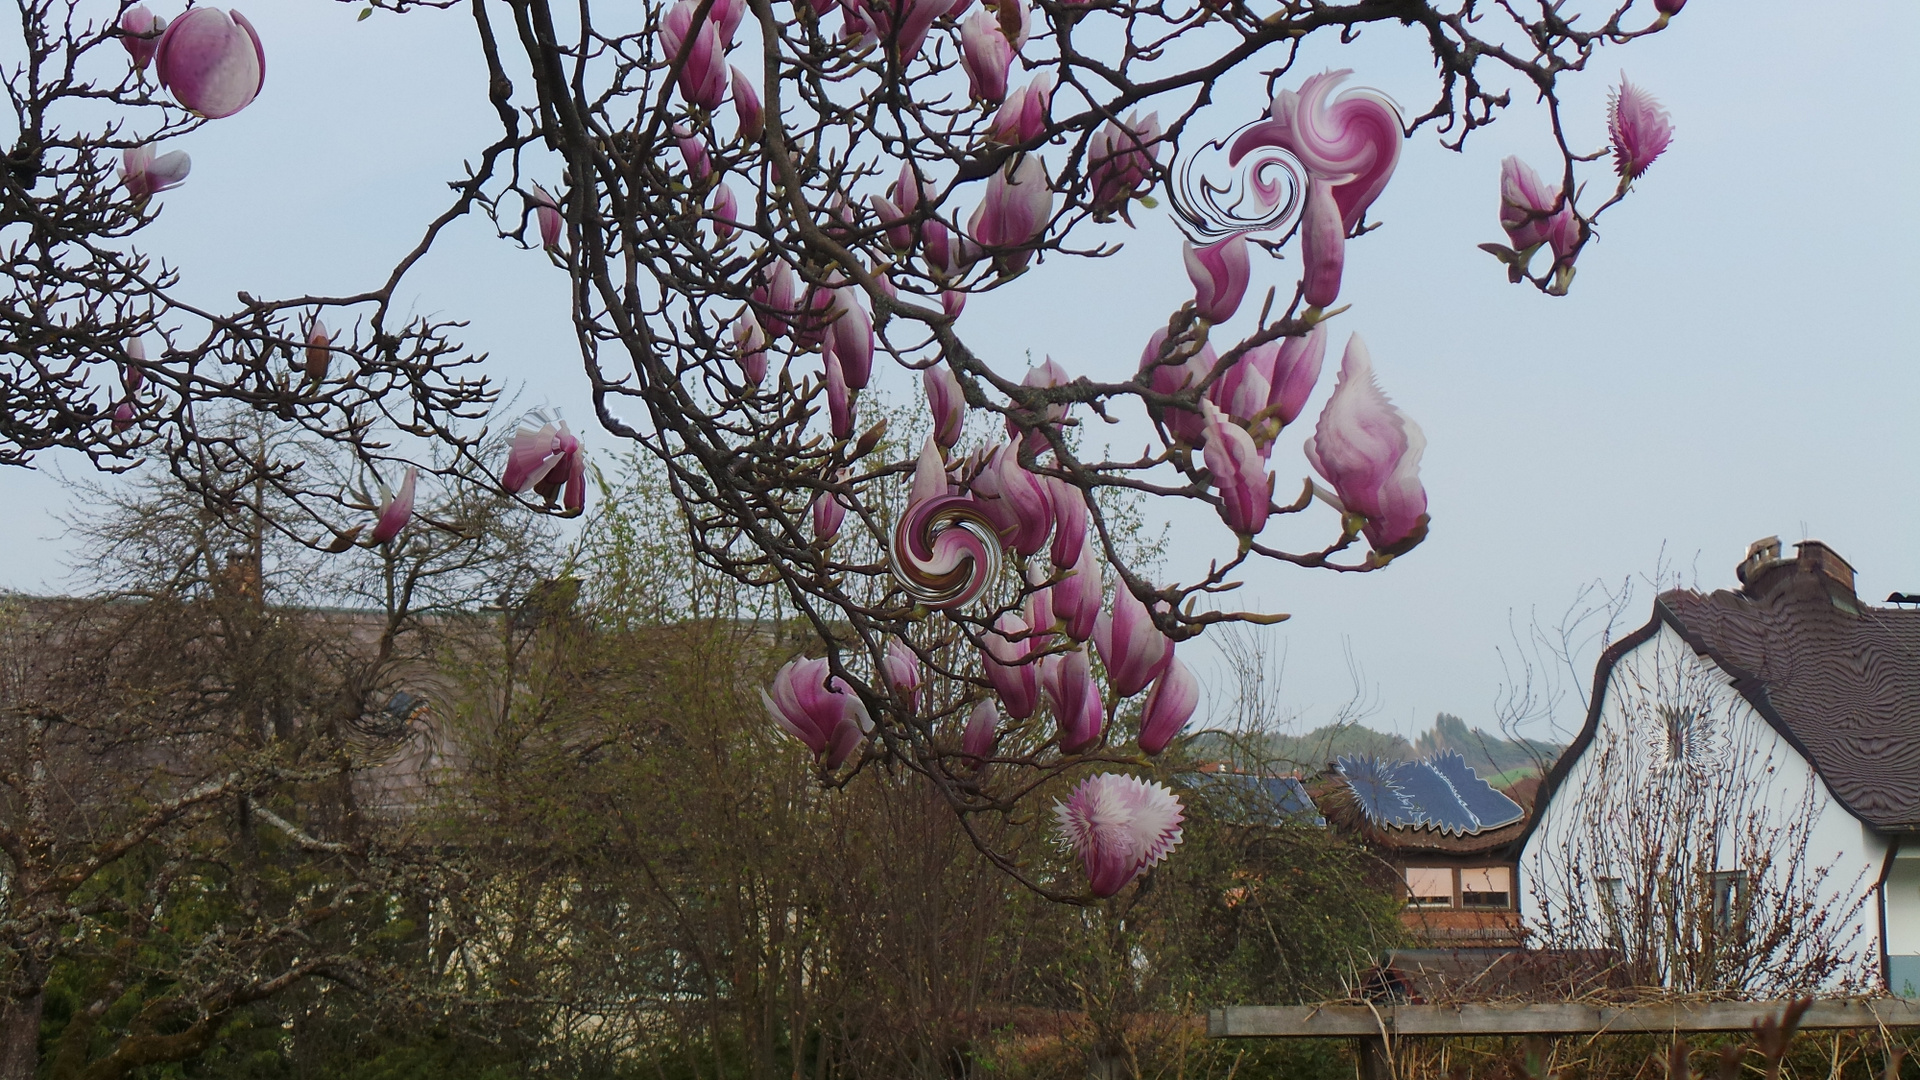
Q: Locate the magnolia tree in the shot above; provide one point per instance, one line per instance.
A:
(760, 202)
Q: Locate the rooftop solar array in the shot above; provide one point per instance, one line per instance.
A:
(1440, 792)
(1268, 800)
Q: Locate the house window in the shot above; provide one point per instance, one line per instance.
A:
(1729, 900)
(1429, 886)
(1486, 887)
(1613, 909)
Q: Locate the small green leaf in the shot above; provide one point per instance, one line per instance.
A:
(364, 13)
(1149, 201)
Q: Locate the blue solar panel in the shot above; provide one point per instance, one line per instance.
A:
(1382, 800)
(1272, 801)
(1291, 801)
(1490, 808)
(1434, 800)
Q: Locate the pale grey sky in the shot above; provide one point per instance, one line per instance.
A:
(1737, 358)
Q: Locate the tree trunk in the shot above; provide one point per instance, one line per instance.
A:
(20, 1037)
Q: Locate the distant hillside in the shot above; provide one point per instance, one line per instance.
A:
(1489, 754)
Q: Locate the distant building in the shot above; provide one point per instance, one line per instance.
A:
(1747, 779)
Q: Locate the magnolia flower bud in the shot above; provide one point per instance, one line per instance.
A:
(1220, 273)
(212, 63)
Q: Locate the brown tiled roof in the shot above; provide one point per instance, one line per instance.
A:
(1839, 679)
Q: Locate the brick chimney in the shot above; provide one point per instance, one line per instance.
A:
(1815, 571)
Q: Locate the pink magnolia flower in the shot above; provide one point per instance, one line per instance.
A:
(1639, 128)
(901, 667)
(1023, 116)
(122, 417)
(1017, 204)
(947, 403)
(693, 152)
(953, 302)
(747, 109)
(140, 35)
(1296, 369)
(929, 475)
(1015, 20)
(828, 513)
(145, 175)
(852, 334)
(1669, 8)
(1133, 649)
(212, 63)
(1070, 522)
(816, 707)
(550, 462)
(546, 211)
(1243, 389)
(395, 508)
(750, 345)
(982, 725)
(839, 399)
(1008, 645)
(773, 296)
(1120, 163)
(1352, 144)
(1039, 609)
(703, 76)
(1015, 499)
(1323, 245)
(1170, 704)
(893, 222)
(1075, 599)
(1370, 452)
(1077, 708)
(1185, 425)
(132, 376)
(1119, 826)
(986, 54)
(318, 355)
(726, 16)
(1239, 473)
(1220, 273)
(1527, 206)
(725, 212)
(916, 18)
(1046, 374)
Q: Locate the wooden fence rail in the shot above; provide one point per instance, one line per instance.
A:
(1394, 1021)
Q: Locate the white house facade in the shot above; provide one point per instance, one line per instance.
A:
(1741, 810)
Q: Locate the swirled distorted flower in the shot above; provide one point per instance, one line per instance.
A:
(1119, 826)
(1077, 708)
(1183, 423)
(1222, 193)
(1133, 649)
(1005, 660)
(816, 707)
(140, 33)
(145, 175)
(1351, 143)
(1370, 452)
(1076, 598)
(703, 73)
(1220, 273)
(1169, 705)
(1639, 127)
(550, 462)
(986, 55)
(1015, 499)
(946, 402)
(748, 112)
(212, 63)
(395, 508)
(1120, 163)
(944, 551)
(1239, 473)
